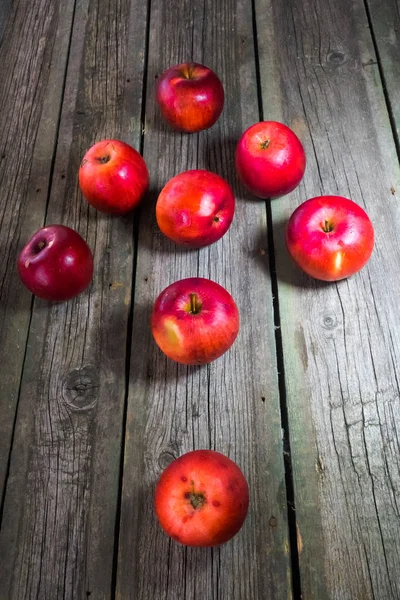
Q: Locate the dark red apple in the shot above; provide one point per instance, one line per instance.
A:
(56, 264)
(330, 237)
(270, 159)
(113, 177)
(190, 97)
(195, 208)
(202, 499)
(195, 321)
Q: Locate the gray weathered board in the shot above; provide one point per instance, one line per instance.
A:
(60, 512)
(231, 405)
(33, 53)
(341, 341)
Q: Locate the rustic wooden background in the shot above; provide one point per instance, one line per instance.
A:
(307, 401)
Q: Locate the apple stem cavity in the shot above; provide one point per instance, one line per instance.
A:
(197, 500)
(327, 227)
(39, 247)
(188, 72)
(265, 144)
(103, 159)
(195, 304)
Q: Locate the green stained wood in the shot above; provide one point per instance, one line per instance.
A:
(341, 341)
(58, 530)
(233, 404)
(385, 24)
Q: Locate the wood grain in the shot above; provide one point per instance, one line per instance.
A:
(231, 405)
(57, 539)
(341, 342)
(34, 53)
(5, 9)
(385, 24)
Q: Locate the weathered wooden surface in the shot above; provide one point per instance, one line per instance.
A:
(232, 405)
(385, 25)
(34, 50)
(65, 421)
(341, 341)
(5, 8)
(57, 536)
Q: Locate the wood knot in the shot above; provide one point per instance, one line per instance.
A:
(80, 389)
(165, 459)
(329, 321)
(273, 522)
(336, 58)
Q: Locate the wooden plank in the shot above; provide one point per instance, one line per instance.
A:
(5, 9)
(233, 404)
(341, 342)
(385, 24)
(34, 50)
(57, 539)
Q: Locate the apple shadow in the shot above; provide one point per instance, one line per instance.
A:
(148, 364)
(153, 560)
(285, 268)
(150, 235)
(219, 157)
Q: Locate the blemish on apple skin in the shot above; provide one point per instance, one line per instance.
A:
(184, 479)
(216, 503)
(233, 485)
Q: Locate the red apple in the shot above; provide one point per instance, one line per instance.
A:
(190, 97)
(330, 237)
(270, 159)
(195, 208)
(202, 499)
(113, 177)
(195, 321)
(56, 264)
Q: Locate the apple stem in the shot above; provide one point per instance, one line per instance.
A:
(188, 72)
(194, 305)
(327, 227)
